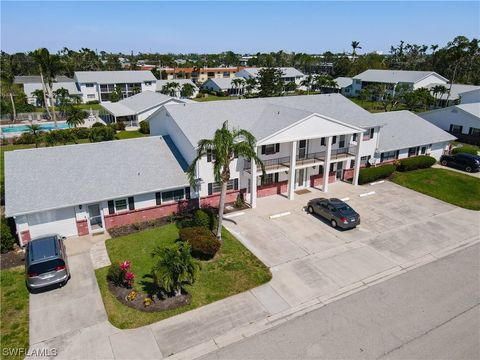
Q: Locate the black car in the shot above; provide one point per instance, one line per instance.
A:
(336, 211)
(463, 161)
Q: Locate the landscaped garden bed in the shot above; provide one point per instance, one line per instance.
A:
(231, 270)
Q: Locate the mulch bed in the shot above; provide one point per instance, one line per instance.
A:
(157, 305)
(12, 259)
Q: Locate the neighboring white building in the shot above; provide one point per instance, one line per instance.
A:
(98, 85)
(345, 84)
(180, 82)
(459, 94)
(224, 85)
(461, 120)
(391, 78)
(303, 141)
(290, 74)
(136, 108)
(32, 83)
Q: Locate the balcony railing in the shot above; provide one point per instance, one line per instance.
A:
(307, 159)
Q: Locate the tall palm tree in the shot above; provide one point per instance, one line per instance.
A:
(251, 84)
(34, 129)
(307, 82)
(49, 67)
(173, 87)
(355, 45)
(76, 117)
(39, 97)
(175, 268)
(187, 90)
(238, 84)
(438, 90)
(224, 147)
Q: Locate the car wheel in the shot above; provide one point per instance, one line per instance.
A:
(310, 210)
(444, 162)
(334, 223)
(468, 169)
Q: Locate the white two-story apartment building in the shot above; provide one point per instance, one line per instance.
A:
(303, 141)
(98, 85)
(290, 74)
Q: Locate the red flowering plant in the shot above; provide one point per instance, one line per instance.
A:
(120, 275)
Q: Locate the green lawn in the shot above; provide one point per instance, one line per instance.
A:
(233, 271)
(215, 98)
(122, 135)
(78, 106)
(452, 187)
(14, 311)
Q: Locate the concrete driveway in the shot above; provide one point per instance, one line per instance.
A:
(310, 259)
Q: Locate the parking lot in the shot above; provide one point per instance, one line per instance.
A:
(308, 258)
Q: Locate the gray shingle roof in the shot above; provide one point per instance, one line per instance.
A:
(222, 83)
(473, 109)
(55, 177)
(395, 76)
(114, 77)
(264, 116)
(404, 129)
(35, 79)
(455, 91)
(344, 82)
(70, 86)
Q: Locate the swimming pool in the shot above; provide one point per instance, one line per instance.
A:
(24, 128)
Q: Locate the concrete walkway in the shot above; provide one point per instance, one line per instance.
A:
(311, 267)
(474, 174)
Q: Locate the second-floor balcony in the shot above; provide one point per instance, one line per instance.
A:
(304, 160)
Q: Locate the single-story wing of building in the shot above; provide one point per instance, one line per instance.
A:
(459, 94)
(136, 108)
(226, 85)
(86, 188)
(178, 91)
(345, 85)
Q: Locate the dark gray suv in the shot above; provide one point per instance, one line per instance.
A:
(46, 262)
(337, 212)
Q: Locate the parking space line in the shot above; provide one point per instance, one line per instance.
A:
(367, 194)
(235, 214)
(345, 199)
(377, 182)
(274, 216)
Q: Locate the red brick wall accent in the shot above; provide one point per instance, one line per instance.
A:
(82, 227)
(25, 236)
(317, 180)
(348, 174)
(214, 200)
(145, 214)
(272, 189)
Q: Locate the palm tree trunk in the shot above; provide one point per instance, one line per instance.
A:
(13, 108)
(221, 207)
(45, 95)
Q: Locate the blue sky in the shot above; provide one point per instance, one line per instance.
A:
(245, 27)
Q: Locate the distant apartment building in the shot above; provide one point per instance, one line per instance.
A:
(290, 74)
(99, 85)
(199, 75)
(391, 78)
(31, 84)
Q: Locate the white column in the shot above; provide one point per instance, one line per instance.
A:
(326, 165)
(292, 171)
(356, 171)
(253, 184)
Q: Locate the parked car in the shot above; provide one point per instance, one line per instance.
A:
(336, 211)
(46, 262)
(463, 161)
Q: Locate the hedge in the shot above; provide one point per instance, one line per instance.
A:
(417, 162)
(373, 173)
(465, 149)
(203, 243)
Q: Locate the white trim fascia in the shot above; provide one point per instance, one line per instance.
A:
(356, 129)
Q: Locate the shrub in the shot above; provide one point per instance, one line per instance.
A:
(203, 244)
(239, 201)
(201, 218)
(136, 227)
(92, 102)
(144, 127)
(103, 133)
(417, 162)
(119, 126)
(116, 275)
(373, 173)
(98, 124)
(81, 133)
(465, 149)
(7, 240)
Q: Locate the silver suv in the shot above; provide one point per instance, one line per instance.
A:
(46, 262)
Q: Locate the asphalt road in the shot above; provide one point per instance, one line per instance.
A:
(431, 312)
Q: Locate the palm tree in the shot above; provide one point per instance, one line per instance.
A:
(224, 147)
(355, 45)
(39, 97)
(49, 66)
(8, 86)
(175, 268)
(187, 90)
(307, 82)
(238, 84)
(34, 129)
(76, 117)
(251, 84)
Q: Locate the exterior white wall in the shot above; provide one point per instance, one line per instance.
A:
(89, 93)
(470, 97)
(443, 118)
(61, 221)
(149, 86)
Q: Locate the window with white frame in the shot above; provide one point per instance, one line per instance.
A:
(121, 204)
(389, 155)
(216, 187)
